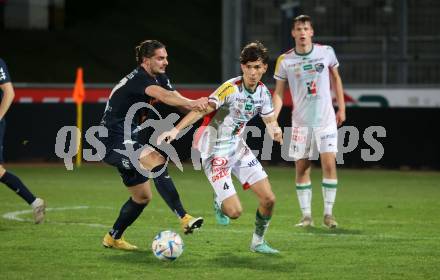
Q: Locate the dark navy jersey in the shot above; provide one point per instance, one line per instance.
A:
(4, 75)
(129, 91)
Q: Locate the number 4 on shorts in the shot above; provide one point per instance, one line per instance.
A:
(226, 186)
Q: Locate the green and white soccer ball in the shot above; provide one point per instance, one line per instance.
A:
(167, 245)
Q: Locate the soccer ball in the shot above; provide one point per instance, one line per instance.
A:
(167, 245)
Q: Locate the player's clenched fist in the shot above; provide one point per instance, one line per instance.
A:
(199, 104)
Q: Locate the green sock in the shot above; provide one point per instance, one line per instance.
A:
(261, 224)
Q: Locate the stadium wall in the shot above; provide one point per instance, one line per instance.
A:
(411, 133)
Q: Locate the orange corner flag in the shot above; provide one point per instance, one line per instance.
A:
(78, 91)
(78, 95)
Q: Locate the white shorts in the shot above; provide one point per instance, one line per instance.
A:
(244, 165)
(305, 140)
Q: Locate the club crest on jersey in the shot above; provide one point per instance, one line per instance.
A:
(319, 67)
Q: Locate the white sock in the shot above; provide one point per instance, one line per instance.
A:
(37, 202)
(256, 239)
(304, 193)
(329, 187)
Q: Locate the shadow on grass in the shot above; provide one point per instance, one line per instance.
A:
(248, 260)
(277, 263)
(336, 231)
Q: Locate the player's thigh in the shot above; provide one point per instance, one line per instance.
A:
(151, 158)
(218, 173)
(300, 142)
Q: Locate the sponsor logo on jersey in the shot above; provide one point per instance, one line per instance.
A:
(224, 90)
(311, 88)
(218, 168)
(240, 100)
(238, 127)
(307, 67)
(328, 136)
(223, 173)
(319, 67)
(253, 162)
(315, 60)
(297, 136)
(219, 161)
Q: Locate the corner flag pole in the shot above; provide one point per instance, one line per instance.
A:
(78, 96)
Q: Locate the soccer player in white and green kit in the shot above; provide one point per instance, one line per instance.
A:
(310, 69)
(223, 149)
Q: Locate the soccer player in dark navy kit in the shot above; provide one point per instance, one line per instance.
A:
(13, 182)
(146, 83)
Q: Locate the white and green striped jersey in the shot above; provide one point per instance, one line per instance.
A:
(309, 82)
(221, 131)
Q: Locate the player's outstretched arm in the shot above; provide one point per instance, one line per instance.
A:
(174, 98)
(277, 98)
(8, 97)
(339, 91)
(273, 128)
(188, 120)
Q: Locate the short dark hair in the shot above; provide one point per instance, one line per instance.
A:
(147, 49)
(254, 51)
(302, 19)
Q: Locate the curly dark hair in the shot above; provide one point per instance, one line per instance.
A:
(254, 51)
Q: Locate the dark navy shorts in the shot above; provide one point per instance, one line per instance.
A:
(130, 176)
(2, 135)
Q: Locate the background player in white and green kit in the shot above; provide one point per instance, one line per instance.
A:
(310, 69)
(223, 150)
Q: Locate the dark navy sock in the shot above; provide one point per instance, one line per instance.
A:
(15, 184)
(128, 214)
(165, 187)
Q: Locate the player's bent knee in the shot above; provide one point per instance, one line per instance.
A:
(142, 198)
(233, 212)
(328, 169)
(268, 201)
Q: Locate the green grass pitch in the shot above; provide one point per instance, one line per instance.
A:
(389, 229)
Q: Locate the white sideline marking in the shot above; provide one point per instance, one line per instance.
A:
(14, 216)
